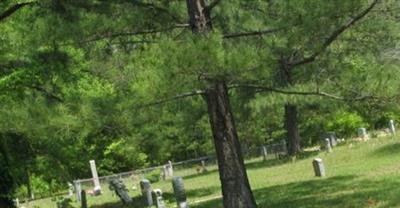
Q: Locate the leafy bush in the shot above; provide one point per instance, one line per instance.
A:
(345, 123)
(153, 176)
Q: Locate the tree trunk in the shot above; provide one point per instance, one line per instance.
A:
(292, 130)
(236, 189)
(7, 182)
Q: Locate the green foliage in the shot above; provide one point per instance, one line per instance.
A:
(153, 176)
(345, 123)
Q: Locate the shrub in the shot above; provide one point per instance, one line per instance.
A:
(153, 176)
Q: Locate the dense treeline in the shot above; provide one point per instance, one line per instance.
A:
(135, 83)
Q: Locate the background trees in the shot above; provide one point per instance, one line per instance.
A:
(94, 80)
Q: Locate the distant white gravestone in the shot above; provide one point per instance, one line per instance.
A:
(362, 133)
(319, 168)
(392, 128)
(96, 181)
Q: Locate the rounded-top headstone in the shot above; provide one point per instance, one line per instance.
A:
(179, 189)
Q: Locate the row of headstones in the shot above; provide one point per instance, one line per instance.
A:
(153, 197)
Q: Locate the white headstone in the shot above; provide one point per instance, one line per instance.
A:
(96, 181)
(392, 128)
(362, 133)
(319, 168)
(170, 169)
(70, 190)
(264, 152)
(78, 189)
(328, 145)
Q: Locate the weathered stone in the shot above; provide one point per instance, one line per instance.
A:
(78, 189)
(120, 190)
(264, 152)
(362, 133)
(332, 138)
(392, 128)
(179, 191)
(328, 145)
(146, 189)
(96, 181)
(319, 168)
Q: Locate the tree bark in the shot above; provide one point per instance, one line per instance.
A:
(236, 189)
(291, 125)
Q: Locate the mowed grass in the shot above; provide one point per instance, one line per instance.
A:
(359, 174)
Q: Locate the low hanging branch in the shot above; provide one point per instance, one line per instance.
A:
(176, 97)
(317, 92)
(10, 11)
(251, 33)
(335, 35)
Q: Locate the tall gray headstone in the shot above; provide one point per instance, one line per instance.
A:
(145, 187)
(264, 152)
(332, 138)
(179, 191)
(319, 168)
(96, 181)
(203, 166)
(284, 147)
(78, 189)
(392, 128)
(170, 169)
(328, 145)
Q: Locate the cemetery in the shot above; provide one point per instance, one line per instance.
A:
(199, 103)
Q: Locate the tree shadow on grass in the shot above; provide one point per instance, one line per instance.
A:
(340, 192)
(386, 150)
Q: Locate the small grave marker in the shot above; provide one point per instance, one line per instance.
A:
(392, 128)
(319, 168)
(328, 145)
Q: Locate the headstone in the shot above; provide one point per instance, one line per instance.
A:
(392, 128)
(120, 190)
(164, 172)
(83, 199)
(362, 133)
(319, 168)
(157, 198)
(145, 187)
(284, 147)
(78, 189)
(332, 138)
(70, 190)
(96, 181)
(16, 202)
(179, 191)
(328, 145)
(264, 152)
(203, 166)
(170, 169)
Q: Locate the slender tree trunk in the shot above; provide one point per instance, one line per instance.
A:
(292, 129)
(7, 182)
(235, 184)
(236, 189)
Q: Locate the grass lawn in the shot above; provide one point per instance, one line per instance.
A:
(359, 174)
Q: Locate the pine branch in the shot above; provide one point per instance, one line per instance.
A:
(47, 93)
(176, 97)
(251, 33)
(259, 89)
(335, 35)
(10, 11)
(133, 33)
